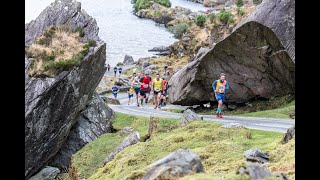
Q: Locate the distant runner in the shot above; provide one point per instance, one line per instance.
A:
(156, 89)
(164, 92)
(108, 67)
(145, 83)
(115, 90)
(130, 94)
(120, 70)
(115, 71)
(136, 86)
(220, 86)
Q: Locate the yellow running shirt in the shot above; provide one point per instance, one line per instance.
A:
(157, 85)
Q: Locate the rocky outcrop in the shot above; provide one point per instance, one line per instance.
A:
(256, 155)
(125, 130)
(255, 171)
(93, 121)
(257, 59)
(62, 12)
(128, 60)
(188, 116)
(290, 134)
(53, 105)
(177, 164)
(47, 173)
(132, 139)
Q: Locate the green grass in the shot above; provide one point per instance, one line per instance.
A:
(174, 110)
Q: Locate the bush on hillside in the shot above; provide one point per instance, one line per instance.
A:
(240, 12)
(200, 20)
(239, 3)
(141, 4)
(178, 29)
(165, 3)
(226, 16)
(212, 17)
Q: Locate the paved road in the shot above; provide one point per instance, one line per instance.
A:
(266, 124)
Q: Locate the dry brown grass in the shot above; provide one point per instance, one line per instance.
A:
(62, 45)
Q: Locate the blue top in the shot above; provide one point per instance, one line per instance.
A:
(120, 69)
(115, 88)
(214, 84)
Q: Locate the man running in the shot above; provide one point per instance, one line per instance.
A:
(136, 86)
(145, 83)
(156, 89)
(220, 86)
(115, 90)
(120, 71)
(108, 67)
(115, 69)
(164, 92)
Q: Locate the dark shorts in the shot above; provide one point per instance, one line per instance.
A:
(156, 93)
(143, 93)
(137, 90)
(130, 95)
(164, 93)
(220, 97)
(149, 90)
(120, 72)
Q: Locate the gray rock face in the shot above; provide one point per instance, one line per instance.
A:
(128, 60)
(151, 67)
(256, 155)
(62, 12)
(47, 173)
(160, 49)
(177, 164)
(188, 116)
(253, 58)
(145, 64)
(52, 105)
(132, 139)
(109, 100)
(93, 121)
(289, 135)
(125, 130)
(255, 171)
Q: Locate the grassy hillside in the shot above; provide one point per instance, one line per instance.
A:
(221, 150)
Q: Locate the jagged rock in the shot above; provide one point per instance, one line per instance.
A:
(233, 125)
(132, 139)
(256, 155)
(125, 130)
(255, 171)
(186, 39)
(289, 134)
(109, 100)
(252, 57)
(177, 164)
(153, 124)
(160, 49)
(47, 173)
(188, 116)
(164, 53)
(151, 67)
(93, 121)
(145, 64)
(141, 60)
(62, 12)
(52, 105)
(128, 60)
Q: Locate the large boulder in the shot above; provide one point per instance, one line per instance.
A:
(188, 116)
(128, 60)
(53, 105)
(62, 12)
(290, 134)
(256, 155)
(255, 171)
(257, 58)
(93, 121)
(132, 139)
(177, 164)
(47, 173)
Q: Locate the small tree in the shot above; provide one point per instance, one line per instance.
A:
(226, 16)
(178, 30)
(200, 20)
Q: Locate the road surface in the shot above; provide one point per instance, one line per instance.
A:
(266, 124)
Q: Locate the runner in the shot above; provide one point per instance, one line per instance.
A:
(156, 89)
(136, 86)
(120, 71)
(115, 90)
(130, 94)
(108, 67)
(164, 92)
(115, 71)
(220, 86)
(145, 83)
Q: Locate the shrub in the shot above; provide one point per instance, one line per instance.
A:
(212, 17)
(141, 4)
(165, 3)
(80, 30)
(200, 20)
(178, 29)
(226, 16)
(156, 13)
(239, 3)
(240, 12)
(92, 43)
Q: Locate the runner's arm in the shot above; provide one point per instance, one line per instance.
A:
(227, 85)
(214, 84)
